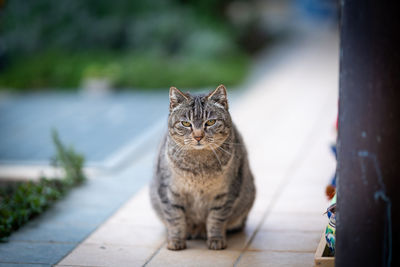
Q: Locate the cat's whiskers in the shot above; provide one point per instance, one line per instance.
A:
(210, 139)
(215, 153)
(228, 143)
(179, 150)
(223, 150)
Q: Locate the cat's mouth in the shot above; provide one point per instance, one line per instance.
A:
(198, 146)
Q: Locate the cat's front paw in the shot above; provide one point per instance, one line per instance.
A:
(216, 243)
(176, 244)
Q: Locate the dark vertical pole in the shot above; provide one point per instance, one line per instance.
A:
(369, 134)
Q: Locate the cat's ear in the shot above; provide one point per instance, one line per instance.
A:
(176, 97)
(219, 96)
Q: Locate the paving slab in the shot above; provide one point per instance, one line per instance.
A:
(108, 255)
(24, 265)
(195, 255)
(33, 252)
(295, 241)
(273, 259)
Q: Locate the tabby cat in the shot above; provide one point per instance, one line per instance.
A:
(203, 186)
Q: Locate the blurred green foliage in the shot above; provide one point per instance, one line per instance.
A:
(22, 201)
(52, 69)
(147, 44)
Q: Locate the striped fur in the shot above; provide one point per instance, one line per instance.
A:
(201, 189)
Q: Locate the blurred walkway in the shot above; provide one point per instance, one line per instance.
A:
(97, 125)
(287, 120)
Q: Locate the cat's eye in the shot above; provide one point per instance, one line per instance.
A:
(186, 123)
(210, 122)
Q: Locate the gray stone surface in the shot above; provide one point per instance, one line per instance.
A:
(97, 126)
(48, 238)
(24, 265)
(26, 252)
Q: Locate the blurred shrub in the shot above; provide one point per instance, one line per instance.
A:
(137, 70)
(48, 43)
(23, 201)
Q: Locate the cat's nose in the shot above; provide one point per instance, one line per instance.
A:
(198, 138)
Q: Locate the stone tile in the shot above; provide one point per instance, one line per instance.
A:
(71, 211)
(301, 205)
(34, 252)
(196, 254)
(294, 192)
(260, 205)
(299, 222)
(266, 184)
(137, 217)
(2, 264)
(138, 211)
(125, 234)
(255, 217)
(286, 241)
(108, 255)
(43, 231)
(316, 190)
(265, 192)
(317, 169)
(238, 241)
(302, 199)
(276, 259)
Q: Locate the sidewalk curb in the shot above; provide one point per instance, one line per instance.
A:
(33, 171)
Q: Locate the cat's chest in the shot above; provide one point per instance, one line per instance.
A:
(199, 186)
(198, 192)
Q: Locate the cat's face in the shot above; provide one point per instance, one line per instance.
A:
(199, 122)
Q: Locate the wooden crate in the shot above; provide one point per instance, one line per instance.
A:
(321, 257)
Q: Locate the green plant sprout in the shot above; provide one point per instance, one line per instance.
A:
(23, 201)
